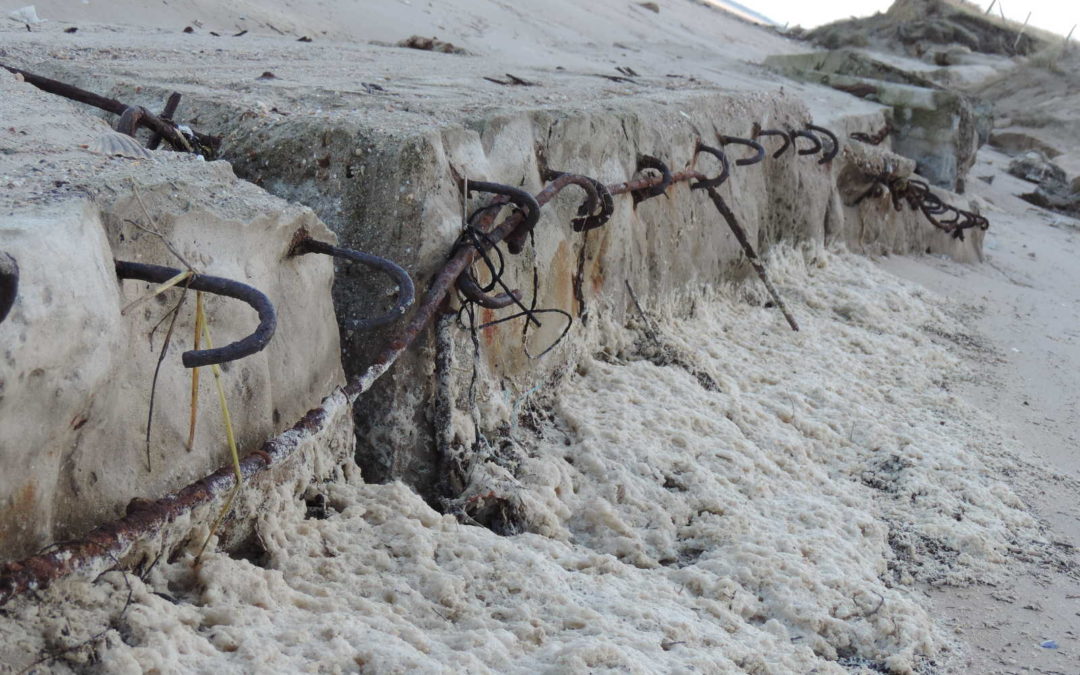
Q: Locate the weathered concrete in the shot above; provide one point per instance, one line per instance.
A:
(379, 165)
(75, 373)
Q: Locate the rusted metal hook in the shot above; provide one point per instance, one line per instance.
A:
(759, 149)
(219, 286)
(775, 132)
(872, 139)
(712, 183)
(130, 119)
(650, 162)
(831, 152)
(471, 289)
(596, 194)
(803, 133)
(515, 241)
(607, 208)
(406, 290)
(9, 284)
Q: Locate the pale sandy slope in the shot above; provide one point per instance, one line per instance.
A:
(1024, 304)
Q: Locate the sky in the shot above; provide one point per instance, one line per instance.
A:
(1055, 15)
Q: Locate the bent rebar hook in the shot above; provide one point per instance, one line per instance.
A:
(759, 149)
(781, 134)
(712, 183)
(406, 290)
(515, 241)
(9, 284)
(596, 194)
(803, 133)
(834, 150)
(219, 286)
(650, 162)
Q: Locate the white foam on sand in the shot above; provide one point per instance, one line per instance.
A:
(763, 503)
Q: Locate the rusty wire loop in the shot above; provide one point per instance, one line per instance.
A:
(775, 132)
(649, 162)
(919, 197)
(833, 150)
(219, 286)
(476, 237)
(803, 133)
(406, 291)
(467, 284)
(705, 183)
(759, 149)
(9, 283)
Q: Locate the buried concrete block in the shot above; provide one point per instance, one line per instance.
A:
(940, 129)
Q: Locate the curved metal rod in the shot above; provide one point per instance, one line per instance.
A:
(712, 183)
(607, 208)
(650, 162)
(834, 150)
(875, 138)
(219, 286)
(515, 241)
(471, 289)
(781, 134)
(9, 284)
(759, 149)
(803, 133)
(406, 290)
(596, 194)
(130, 120)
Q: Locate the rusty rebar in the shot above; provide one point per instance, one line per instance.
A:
(9, 283)
(705, 183)
(758, 148)
(649, 162)
(775, 132)
(875, 138)
(474, 292)
(149, 120)
(803, 133)
(167, 113)
(748, 249)
(832, 151)
(515, 240)
(406, 291)
(219, 286)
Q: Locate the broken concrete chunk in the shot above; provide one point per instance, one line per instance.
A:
(940, 129)
(1033, 166)
(1015, 141)
(430, 44)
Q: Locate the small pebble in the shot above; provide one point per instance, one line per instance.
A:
(1049, 644)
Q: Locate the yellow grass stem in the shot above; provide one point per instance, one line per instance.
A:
(179, 278)
(200, 317)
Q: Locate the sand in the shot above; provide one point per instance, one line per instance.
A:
(777, 520)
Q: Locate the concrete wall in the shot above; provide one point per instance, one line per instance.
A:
(389, 190)
(75, 373)
(394, 193)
